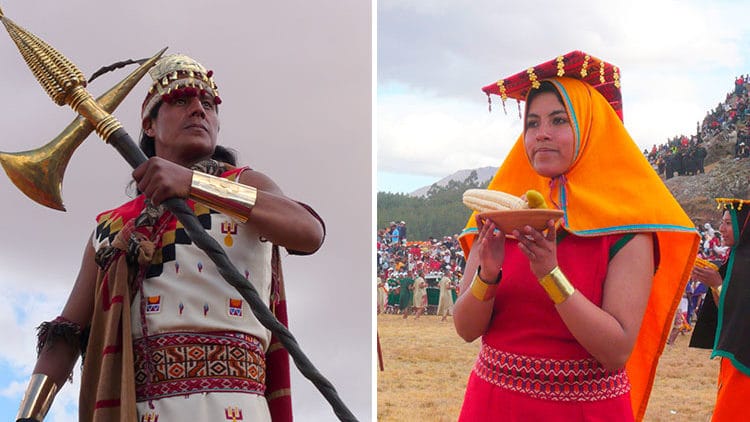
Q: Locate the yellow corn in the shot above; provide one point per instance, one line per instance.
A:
(703, 263)
(483, 200)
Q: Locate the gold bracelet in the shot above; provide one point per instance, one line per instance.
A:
(225, 196)
(38, 398)
(482, 290)
(717, 290)
(557, 286)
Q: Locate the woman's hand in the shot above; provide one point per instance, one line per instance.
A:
(491, 249)
(539, 248)
(707, 276)
(472, 316)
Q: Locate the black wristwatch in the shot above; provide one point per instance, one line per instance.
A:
(497, 280)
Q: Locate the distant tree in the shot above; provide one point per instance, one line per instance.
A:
(439, 213)
(472, 179)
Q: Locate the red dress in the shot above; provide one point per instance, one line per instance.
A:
(530, 366)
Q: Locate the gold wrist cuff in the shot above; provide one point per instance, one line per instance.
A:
(225, 196)
(717, 290)
(557, 286)
(38, 398)
(481, 290)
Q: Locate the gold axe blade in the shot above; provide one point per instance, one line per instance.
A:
(38, 173)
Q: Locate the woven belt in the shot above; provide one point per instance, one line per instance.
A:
(550, 379)
(188, 363)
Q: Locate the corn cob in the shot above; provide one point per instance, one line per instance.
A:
(483, 200)
(703, 263)
(535, 199)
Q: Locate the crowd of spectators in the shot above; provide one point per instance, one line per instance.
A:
(431, 259)
(679, 155)
(711, 247)
(685, 155)
(397, 255)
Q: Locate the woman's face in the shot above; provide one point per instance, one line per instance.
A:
(185, 130)
(725, 228)
(548, 136)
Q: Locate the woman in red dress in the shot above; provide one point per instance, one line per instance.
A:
(572, 318)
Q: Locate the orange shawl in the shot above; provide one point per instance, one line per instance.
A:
(611, 188)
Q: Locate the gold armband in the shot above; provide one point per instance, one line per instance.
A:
(38, 398)
(557, 286)
(225, 196)
(717, 290)
(482, 290)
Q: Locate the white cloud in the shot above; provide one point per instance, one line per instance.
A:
(678, 60)
(424, 134)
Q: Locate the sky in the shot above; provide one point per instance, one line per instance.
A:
(678, 59)
(296, 82)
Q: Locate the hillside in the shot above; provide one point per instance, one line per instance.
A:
(725, 178)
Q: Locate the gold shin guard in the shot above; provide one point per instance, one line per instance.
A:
(38, 398)
(557, 286)
(225, 196)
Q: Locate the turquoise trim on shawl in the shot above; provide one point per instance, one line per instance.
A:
(470, 230)
(635, 228)
(572, 112)
(564, 203)
(631, 228)
(612, 230)
(737, 364)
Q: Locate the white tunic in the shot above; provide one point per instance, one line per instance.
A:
(206, 347)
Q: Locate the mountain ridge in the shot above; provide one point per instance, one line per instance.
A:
(483, 174)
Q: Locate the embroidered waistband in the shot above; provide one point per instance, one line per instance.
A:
(175, 364)
(550, 379)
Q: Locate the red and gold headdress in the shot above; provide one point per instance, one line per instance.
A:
(739, 210)
(603, 76)
(177, 75)
(732, 203)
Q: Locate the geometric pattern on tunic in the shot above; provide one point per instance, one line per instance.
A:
(188, 363)
(109, 224)
(178, 236)
(567, 380)
(150, 417)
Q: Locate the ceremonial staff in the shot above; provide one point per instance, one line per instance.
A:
(38, 173)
